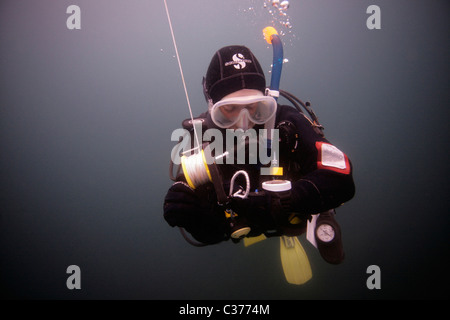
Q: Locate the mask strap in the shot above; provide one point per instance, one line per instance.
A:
(206, 94)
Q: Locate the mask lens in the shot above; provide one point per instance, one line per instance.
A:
(260, 109)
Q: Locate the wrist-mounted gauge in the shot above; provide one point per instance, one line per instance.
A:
(325, 232)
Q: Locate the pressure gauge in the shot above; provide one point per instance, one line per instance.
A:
(325, 232)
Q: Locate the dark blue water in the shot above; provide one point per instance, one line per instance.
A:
(86, 118)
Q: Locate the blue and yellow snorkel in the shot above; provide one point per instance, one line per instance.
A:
(272, 37)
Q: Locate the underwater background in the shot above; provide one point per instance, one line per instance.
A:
(86, 118)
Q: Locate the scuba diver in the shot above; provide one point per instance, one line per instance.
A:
(319, 174)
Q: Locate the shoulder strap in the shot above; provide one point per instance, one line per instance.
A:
(307, 106)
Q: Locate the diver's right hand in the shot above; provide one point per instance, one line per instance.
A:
(196, 211)
(180, 198)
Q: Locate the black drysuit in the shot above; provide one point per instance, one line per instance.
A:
(320, 174)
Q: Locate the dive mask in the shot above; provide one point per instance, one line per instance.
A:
(241, 110)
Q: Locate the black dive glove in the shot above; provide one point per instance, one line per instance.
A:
(285, 214)
(196, 211)
(180, 202)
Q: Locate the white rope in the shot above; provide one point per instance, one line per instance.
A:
(194, 165)
(181, 71)
(196, 169)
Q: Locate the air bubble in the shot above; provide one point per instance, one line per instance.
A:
(284, 5)
(278, 10)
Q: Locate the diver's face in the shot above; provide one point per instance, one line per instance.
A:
(243, 109)
(242, 113)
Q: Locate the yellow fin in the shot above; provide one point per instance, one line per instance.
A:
(253, 240)
(296, 267)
